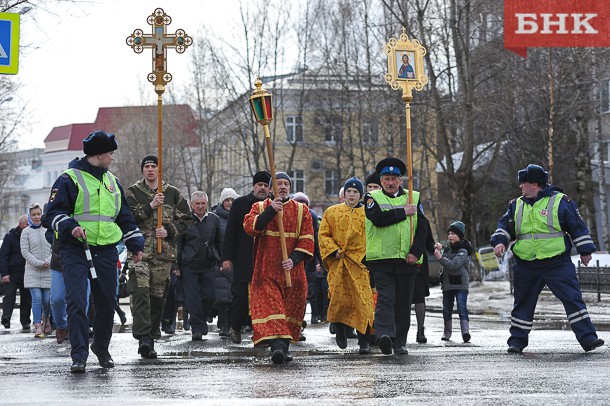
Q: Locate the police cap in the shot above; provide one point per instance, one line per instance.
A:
(391, 166)
(533, 174)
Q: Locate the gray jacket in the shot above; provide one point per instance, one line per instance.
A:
(36, 250)
(455, 266)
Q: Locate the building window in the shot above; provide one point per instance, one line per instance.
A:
(605, 97)
(298, 180)
(294, 129)
(331, 182)
(370, 132)
(333, 128)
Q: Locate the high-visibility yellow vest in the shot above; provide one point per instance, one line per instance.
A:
(97, 206)
(537, 227)
(393, 241)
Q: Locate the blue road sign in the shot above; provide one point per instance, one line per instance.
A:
(9, 43)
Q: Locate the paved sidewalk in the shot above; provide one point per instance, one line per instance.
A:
(492, 300)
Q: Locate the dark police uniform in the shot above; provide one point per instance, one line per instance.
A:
(60, 216)
(544, 228)
(394, 277)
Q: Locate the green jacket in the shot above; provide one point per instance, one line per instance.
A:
(96, 212)
(537, 227)
(393, 241)
(176, 217)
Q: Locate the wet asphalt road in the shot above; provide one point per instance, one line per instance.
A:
(552, 370)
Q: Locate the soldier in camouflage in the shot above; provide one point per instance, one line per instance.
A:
(149, 279)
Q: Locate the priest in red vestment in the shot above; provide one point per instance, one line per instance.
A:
(277, 311)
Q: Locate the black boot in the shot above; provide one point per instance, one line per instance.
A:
(287, 356)
(277, 351)
(340, 336)
(121, 314)
(144, 347)
(152, 354)
(421, 338)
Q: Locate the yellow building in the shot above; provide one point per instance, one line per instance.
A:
(324, 131)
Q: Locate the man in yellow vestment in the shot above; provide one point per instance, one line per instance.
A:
(342, 241)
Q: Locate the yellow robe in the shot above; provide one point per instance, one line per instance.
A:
(349, 287)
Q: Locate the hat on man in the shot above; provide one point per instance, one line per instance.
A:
(355, 183)
(458, 228)
(373, 178)
(533, 174)
(391, 166)
(282, 175)
(261, 176)
(301, 198)
(99, 142)
(228, 193)
(149, 159)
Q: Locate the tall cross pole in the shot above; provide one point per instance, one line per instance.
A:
(406, 72)
(159, 41)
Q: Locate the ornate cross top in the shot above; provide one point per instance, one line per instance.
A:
(159, 41)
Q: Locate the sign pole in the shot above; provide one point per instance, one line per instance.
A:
(406, 72)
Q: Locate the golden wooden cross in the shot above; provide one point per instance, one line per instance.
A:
(159, 41)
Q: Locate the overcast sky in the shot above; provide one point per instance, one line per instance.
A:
(82, 61)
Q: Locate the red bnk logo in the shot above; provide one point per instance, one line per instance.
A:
(555, 23)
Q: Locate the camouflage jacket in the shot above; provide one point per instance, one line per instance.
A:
(176, 218)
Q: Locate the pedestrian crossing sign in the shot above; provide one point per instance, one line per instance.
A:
(9, 43)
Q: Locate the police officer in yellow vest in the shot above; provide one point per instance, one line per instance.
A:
(544, 223)
(393, 253)
(87, 201)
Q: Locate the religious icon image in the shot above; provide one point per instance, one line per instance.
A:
(404, 65)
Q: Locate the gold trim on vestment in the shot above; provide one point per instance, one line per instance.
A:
(294, 321)
(274, 336)
(269, 318)
(277, 234)
(304, 250)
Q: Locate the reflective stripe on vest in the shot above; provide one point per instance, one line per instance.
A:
(393, 241)
(537, 227)
(97, 206)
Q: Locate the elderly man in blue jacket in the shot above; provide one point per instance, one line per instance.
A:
(544, 222)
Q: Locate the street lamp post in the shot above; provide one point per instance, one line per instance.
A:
(260, 101)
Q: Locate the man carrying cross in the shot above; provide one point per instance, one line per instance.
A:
(148, 280)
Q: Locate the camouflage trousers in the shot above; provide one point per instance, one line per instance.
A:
(147, 286)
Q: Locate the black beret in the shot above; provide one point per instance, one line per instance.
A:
(373, 178)
(99, 142)
(391, 166)
(261, 176)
